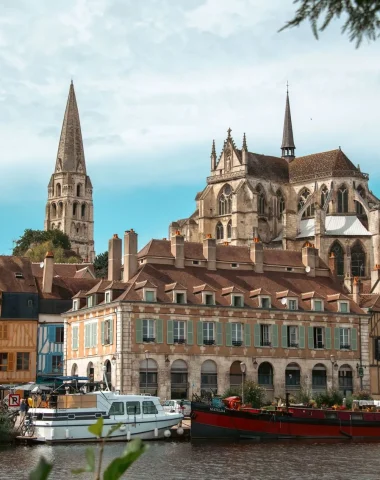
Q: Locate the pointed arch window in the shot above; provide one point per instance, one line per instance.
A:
(324, 196)
(58, 190)
(280, 203)
(219, 231)
(229, 230)
(357, 260)
(359, 208)
(225, 200)
(260, 201)
(303, 198)
(338, 252)
(343, 199)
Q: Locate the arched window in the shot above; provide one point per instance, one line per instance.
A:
(324, 195)
(304, 195)
(225, 200)
(357, 260)
(343, 199)
(53, 210)
(346, 384)
(236, 376)
(179, 379)
(319, 377)
(265, 374)
(338, 253)
(209, 378)
(229, 230)
(79, 190)
(359, 208)
(74, 209)
(74, 370)
(60, 209)
(280, 203)
(148, 376)
(293, 375)
(260, 200)
(58, 190)
(83, 210)
(219, 231)
(90, 371)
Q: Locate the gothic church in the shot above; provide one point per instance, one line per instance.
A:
(287, 202)
(69, 206)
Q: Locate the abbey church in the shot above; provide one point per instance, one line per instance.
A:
(286, 202)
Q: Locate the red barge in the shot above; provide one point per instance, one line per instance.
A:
(227, 419)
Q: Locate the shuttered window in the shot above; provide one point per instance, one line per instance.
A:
(3, 362)
(90, 335)
(22, 361)
(3, 332)
(75, 343)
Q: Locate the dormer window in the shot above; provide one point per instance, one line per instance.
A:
(265, 302)
(150, 296)
(90, 301)
(317, 305)
(344, 307)
(76, 304)
(292, 303)
(237, 300)
(208, 298)
(179, 297)
(107, 297)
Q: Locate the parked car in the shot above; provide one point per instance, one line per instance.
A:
(175, 406)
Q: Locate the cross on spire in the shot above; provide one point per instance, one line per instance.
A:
(229, 132)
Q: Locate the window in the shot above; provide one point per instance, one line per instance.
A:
(179, 329)
(292, 304)
(133, 408)
(219, 231)
(229, 230)
(324, 198)
(344, 307)
(208, 333)
(293, 337)
(58, 190)
(3, 332)
(359, 208)
(117, 408)
(357, 260)
(30, 303)
(265, 340)
(90, 301)
(234, 265)
(149, 408)
(180, 297)
(208, 299)
(59, 334)
(304, 195)
(337, 251)
(56, 363)
(107, 332)
(342, 200)
(150, 296)
(237, 301)
(237, 334)
(376, 349)
(265, 302)
(280, 204)
(75, 343)
(344, 338)
(22, 361)
(318, 337)
(107, 297)
(79, 190)
(3, 362)
(90, 335)
(261, 202)
(74, 209)
(225, 201)
(317, 305)
(148, 331)
(75, 304)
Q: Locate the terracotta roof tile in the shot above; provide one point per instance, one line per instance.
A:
(66, 269)
(24, 282)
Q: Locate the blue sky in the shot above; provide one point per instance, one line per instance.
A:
(156, 81)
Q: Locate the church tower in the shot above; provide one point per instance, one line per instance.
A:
(69, 206)
(288, 147)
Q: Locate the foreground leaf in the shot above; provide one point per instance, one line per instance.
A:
(41, 472)
(97, 428)
(113, 429)
(118, 466)
(90, 467)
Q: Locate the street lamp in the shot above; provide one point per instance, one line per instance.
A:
(242, 368)
(146, 370)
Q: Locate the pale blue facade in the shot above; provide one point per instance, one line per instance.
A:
(50, 350)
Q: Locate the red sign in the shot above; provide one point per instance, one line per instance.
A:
(14, 400)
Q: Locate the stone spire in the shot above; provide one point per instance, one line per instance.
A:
(213, 156)
(288, 146)
(245, 148)
(70, 156)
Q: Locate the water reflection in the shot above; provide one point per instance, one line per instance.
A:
(170, 461)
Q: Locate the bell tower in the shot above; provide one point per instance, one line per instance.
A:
(70, 207)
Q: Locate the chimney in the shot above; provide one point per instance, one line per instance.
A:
(130, 255)
(114, 258)
(309, 258)
(257, 255)
(47, 279)
(356, 290)
(209, 251)
(178, 249)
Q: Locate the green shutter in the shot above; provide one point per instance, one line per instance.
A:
(256, 335)
(228, 334)
(301, 336)
(310, 337)
(86, 335)
(102, 332)
(111, 330)
(328, 338)
(219, 333)
(337, 338)
(94, 334)
(354, 339)
(274, 336)
(170, 333)
(284, 336)
(160, 331)
(247, 335)
(200, 333)
(139, 332)
(190, 332)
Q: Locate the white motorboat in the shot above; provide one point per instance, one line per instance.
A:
(66, 418)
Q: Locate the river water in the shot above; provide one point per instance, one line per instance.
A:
(168, 460)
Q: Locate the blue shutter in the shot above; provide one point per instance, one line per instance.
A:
(284, 336)
(228, 334)
(354, 339)
(170, 333)
(139, 332)
(256, 335)
(200, 333)
(337, 338)
(51, 333)
(190, 332)
(247, 335)
(301, 336)
(274, 336)
(328, 338)
(310, 337)
(219, 333)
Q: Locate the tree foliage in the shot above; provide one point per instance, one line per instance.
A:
(101, 265)
(31, 238)
(361, 17)
(253, 394)
(37, 253)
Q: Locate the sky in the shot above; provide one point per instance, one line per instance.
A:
(156, 81)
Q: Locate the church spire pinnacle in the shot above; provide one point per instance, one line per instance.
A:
(70, 156)
(213, 156)
(245, 148)
(288, 146)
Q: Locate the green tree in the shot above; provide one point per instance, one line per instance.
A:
(31, 238)
(101, 265)
(361, 17)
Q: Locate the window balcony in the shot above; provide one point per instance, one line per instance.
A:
(237, 343)
(293, 345)
(179, 340)
(345, 346)
(319, 345)
(208, 342)
(149, 339)
(266, 344)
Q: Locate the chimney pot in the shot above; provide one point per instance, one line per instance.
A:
(130, 255)
(209, 252)
(114, 258)
(48, 274)
(177, 248)
(256, 253)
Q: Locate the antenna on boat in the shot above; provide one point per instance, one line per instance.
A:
(105, 377)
